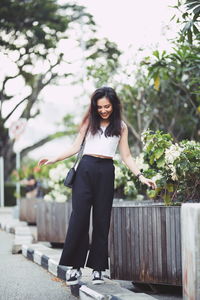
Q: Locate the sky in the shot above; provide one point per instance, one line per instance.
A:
(132, 25)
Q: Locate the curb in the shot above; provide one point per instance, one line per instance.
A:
(21, 230)
(48, 258)
(111, 290)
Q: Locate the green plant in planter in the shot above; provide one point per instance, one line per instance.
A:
(126, 184)
(174, 167)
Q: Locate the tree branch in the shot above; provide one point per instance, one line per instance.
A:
(186, 92)
(6, 79)
(8, 116)
(132, 129)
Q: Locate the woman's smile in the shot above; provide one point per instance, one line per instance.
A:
(104, 108)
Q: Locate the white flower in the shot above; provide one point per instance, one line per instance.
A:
(139, 160)
(173, 172)
(51, 183)
(143, 135)
(140, 197)
(157, 177)
(190, 143)
(118, 173)
(48, 197)
(58, 196)
(172, 153)
(185, 77)
(56, 186)
(61, 198)
(58, 174)
(129, 187)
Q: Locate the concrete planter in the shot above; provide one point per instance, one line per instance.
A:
(145, 243)
(52, 221)
(27, 210)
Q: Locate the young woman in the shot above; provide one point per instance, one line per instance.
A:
(94, 184)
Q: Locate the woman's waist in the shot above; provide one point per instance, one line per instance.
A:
(100, 152)
(97, 158)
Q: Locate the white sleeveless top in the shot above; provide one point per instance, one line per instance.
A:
(99, 144)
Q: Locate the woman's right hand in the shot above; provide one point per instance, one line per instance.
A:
(46, 161)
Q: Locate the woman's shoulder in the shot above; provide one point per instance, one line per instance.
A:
(84, 127)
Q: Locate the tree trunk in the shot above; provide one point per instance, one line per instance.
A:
(6, 150)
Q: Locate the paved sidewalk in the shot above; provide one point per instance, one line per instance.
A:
(20, 279)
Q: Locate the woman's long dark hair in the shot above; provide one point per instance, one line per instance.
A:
(93, 117)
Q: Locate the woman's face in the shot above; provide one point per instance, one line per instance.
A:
(104, 108)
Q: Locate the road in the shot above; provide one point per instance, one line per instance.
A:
(22, 279)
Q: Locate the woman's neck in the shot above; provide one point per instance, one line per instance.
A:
(104, 124)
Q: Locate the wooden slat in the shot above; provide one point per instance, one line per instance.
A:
(27, 210)
(178, 246)
(22, 209)
(52, 221)
(173, 248)
(31, 208)
(111, 241)
(141, 244)
(146, 244)
(159, 241)
(129, 261)
(163, 244)
(154, 235)
(168, 244)
(150, 245)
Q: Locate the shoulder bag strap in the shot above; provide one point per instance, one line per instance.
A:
(80, 153)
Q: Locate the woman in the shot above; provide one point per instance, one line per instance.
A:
(94, 184)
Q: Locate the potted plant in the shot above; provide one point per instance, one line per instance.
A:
(145, 238)
(31, 179)
(54, 210)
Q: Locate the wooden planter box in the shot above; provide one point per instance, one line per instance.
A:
(27, 210)
(145, 243)
(52, 221)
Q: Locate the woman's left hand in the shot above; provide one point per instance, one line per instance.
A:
(148, 182)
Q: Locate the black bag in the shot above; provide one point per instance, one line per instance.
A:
(69, 179)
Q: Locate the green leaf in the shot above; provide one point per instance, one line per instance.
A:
(167, 199)
(152, 159)
(195, 29)
(187, 27)
(196, 10)
(189, 35)
(160, 163)
(156, 54)
(152, 194)
(158, 153)
(170, 187)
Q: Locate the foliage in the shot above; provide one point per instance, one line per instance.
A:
(30, 33)
(51, 178)
(162, 92)
(190, 15)
(176, 167)
(126, 184)
(102, 60)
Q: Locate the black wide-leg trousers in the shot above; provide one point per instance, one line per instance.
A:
(93, 187)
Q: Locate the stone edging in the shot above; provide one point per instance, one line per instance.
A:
(85, 291)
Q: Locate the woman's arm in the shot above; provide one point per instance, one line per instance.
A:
(75, 147)
(128, 159)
